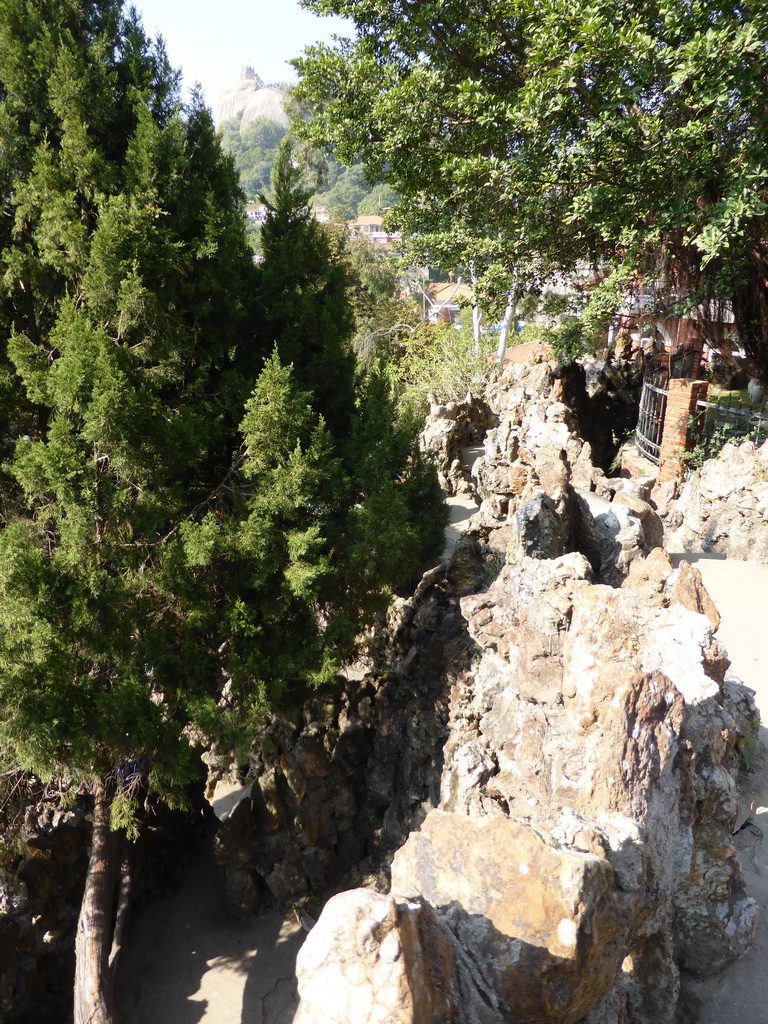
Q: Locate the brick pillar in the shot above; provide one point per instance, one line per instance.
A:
(679, 432)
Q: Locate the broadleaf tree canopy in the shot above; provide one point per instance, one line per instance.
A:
(630, 134)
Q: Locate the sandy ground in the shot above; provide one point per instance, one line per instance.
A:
(740, 590)
(187, 961)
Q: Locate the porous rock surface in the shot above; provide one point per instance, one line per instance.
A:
(579, 860)
(450, 427)
(723, 506)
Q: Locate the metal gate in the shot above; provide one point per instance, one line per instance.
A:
(650, 422)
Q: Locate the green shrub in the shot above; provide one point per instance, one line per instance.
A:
(438, 358)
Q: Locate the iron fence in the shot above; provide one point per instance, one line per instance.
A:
(732, 416)
(650, 421)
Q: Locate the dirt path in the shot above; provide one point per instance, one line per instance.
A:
(189, 962)
(460, 507)
(740, 590)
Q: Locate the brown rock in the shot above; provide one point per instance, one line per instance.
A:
(549, 937)
(374, 959)
(688, 590)
(233, 843)
(648, 576)
(653, 528)
(272, 800)
(312, 758)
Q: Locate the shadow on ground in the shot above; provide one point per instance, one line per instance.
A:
(188, 962)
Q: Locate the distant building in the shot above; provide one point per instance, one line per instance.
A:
(444, 300)
(372, 228)
(256, 212)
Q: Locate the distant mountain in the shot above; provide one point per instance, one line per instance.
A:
(251, 100)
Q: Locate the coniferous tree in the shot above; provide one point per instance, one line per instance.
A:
(303, 304)
(390, 516)
(187, 529)
(125, 272)
(329, 506)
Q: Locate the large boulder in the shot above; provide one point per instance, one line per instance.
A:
(538, 917)
(374, 959)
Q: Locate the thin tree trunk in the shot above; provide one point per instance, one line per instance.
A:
(94, 998)
(509, 314)
(123, 912)
(477, 313)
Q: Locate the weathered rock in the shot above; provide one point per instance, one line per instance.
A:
(466, 568)
(374, 959)
(687, 589)
(611, 536)
(723, 507)
(540, 531)
(534, 911)
(242, 892)
(14, 895)
(653, 528)
(448, 429)
(233, 844)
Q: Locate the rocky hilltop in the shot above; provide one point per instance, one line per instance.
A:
(251, 100)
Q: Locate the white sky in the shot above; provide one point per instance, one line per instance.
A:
(212, 41)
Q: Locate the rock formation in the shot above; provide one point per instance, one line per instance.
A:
(251, 100)
(723, 506)
(450, 428)
(580, 856)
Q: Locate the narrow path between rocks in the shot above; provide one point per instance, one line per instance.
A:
(460, 506)
(187, 961)
(740, 591)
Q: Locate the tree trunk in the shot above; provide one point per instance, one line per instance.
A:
(94, 998)
(509, 314)
(477, 314)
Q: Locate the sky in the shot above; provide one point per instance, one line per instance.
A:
(213, 41)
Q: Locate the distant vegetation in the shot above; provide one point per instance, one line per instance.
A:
(343, 191)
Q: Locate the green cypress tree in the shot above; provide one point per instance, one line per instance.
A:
(386, 514)
(177, 546)
(302, 297)
(122, 344)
